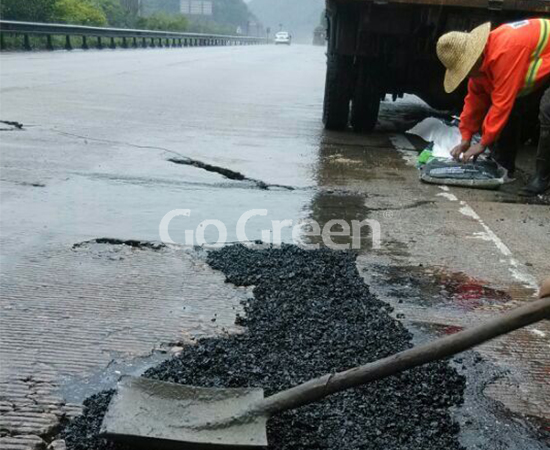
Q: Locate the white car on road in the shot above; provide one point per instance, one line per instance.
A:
(282, 37)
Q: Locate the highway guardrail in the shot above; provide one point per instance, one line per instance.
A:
(99, 37)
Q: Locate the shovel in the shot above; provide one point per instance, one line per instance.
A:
(157, 415)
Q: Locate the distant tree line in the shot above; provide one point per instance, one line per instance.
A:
(81, 12)
(159, 14)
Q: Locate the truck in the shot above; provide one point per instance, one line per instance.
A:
(388, 47)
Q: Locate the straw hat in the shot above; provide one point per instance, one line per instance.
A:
(459, 52)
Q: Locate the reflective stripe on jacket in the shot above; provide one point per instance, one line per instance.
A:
(516, 61)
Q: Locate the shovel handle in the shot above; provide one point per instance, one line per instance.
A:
(319, 388)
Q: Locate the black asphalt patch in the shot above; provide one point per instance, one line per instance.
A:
(311, 314)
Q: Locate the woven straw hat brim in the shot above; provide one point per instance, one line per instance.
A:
(467, 59)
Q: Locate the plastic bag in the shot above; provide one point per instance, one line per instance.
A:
(442, 134)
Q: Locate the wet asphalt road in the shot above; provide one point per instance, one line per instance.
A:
(92, 161)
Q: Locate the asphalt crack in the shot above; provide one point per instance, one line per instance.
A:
(184, 160)
(227, 173)
(413, 205)
(14, 125)
(25, 183)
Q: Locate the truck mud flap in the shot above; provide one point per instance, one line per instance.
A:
(338, 91)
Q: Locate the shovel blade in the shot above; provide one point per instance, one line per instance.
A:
(167, 416)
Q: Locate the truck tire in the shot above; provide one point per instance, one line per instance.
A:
(365, 105)
(337, 92)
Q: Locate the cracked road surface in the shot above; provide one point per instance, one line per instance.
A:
(88, 177)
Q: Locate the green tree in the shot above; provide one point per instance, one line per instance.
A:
(164, 22)
(116, 14)
(79, 12)
(27, 10)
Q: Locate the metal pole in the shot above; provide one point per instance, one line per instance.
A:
(68, 45)
(99, 43)
(113, 43)
(84, 43)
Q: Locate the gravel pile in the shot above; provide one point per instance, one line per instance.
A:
(311, 314)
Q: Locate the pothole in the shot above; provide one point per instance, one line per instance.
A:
(129, 243)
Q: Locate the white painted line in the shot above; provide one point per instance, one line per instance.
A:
(518, 271)
(448, 196)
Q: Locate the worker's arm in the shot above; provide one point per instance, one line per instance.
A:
(509, 78)
(545, 289)
(476, 105)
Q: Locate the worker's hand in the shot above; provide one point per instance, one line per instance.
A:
(545, 289)
(460, 149)
(473, 152)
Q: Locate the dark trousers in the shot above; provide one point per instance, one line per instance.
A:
(523, 124)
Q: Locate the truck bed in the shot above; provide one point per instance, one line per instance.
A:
(534, 6)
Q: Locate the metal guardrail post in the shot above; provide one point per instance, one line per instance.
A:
(85, 43)
(68, 45)
(112, 45)
(27, 42)
(99, 43)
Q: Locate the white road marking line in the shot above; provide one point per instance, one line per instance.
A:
(516, 269)
(448, 196)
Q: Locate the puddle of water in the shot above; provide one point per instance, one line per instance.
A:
(351, 161)
(431, 286)
(327, 205)
(76, 389)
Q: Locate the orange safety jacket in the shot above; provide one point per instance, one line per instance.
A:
(516, 61)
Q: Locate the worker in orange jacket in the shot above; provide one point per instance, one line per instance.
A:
(510, 62)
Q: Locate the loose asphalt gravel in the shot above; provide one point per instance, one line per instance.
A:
(311, 314)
